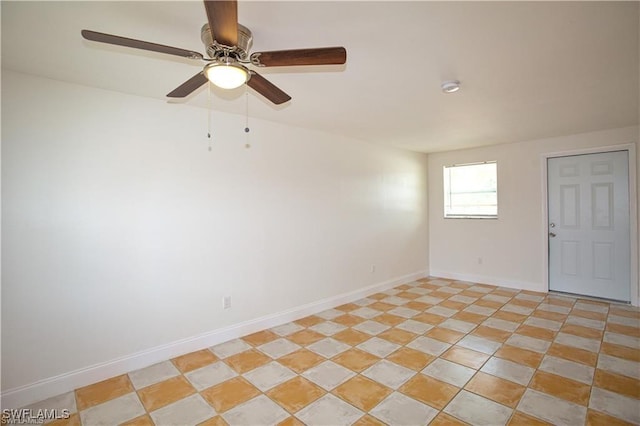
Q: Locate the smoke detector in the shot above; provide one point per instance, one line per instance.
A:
(450, 86)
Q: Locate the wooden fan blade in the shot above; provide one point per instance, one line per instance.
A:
(267, 89)
(319, 56)
(223, 20)
(139, 44)
(189, 86)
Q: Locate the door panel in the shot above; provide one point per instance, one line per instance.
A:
(589, 242)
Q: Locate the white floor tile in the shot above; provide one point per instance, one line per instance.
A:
(189, 411)
(449, 372)
(554, 410)
(329, 410)
(257, 411)
(211, 375)
(388, 373)
(113, 412)
(398, 409)
(477, 410)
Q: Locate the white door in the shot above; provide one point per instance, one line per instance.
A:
(589, 243)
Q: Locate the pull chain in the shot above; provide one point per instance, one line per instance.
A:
(209, 115)
(246, 114)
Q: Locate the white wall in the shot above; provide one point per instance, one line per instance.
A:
(511, 247)
(121, 232)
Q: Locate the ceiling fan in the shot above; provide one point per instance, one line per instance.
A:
(228, 45)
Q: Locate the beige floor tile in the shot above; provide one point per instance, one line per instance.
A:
(411, 358)
(453, 305)
(295, 394)
(521, 419)
(429, 318)
(291, 421)
(398, 336)
(156, 396)
(526, 303)
(573, 354)
(301, 360)
(491, 333)
(429, 390)
(620, 351)
(214, 421)
(444, 335)
(496, 389)
(74, 420)
(418, 306)
(466, 357)
(247, 360)
(260, 338)
(596, 418)
(471, 293)
(469, 317)
(444, 419)
(144, 420)
(348, 307)
(561, 387)
(381, 306)
(489, 304)
(536, 332)
(623, 329)
(378, 296)
(229, 394)
(309, 321)
(390, 319)
(305, 337)
(194, 360)
(408, 295)
(356, 359)
(367, 420)
(554, 316)
(440, 294)
(509, 316)
(624, 312)
(348, 320)
(362, 392)
(578, 330)
(519, 355)
(589, 314)
(106, 390)
(351, 337)
(617, 383)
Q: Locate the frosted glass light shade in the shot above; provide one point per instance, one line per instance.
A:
(226, 76)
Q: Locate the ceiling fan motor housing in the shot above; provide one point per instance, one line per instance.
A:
(245, 41)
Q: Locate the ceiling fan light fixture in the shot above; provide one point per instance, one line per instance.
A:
(451, 86)
(226, 75)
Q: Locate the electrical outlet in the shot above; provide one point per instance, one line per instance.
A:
(226, 302)
(373, 268)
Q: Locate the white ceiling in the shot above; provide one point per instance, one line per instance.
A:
(528, 69)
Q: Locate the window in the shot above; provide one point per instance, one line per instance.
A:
(471, 190)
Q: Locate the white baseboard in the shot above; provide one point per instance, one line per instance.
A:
(482, 279)
(53, 386)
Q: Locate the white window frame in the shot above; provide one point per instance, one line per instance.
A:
(448, 213)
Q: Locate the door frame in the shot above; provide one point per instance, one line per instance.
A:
(633, 210)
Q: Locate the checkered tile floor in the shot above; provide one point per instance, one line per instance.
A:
(433, 351)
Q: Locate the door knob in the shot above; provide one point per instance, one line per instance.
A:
(551, 234)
